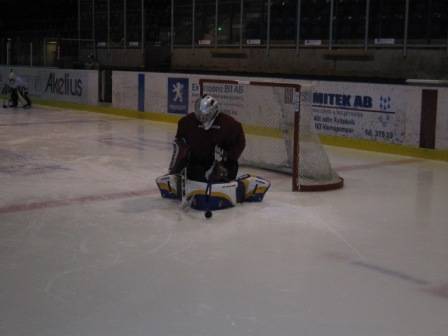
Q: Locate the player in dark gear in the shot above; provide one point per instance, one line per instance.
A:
(18, 91)
(207, 146)
(207, 131)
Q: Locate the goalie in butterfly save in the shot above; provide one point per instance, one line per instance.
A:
(205, 157)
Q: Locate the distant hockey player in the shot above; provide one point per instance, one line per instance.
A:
(207, 147)
(18, 91)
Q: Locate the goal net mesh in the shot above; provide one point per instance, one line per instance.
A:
(268, 114)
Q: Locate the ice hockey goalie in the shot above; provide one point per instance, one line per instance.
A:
(204, 165)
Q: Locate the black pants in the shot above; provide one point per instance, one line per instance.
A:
(196, 171)
(13, 101)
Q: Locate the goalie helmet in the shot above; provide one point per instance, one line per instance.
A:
(206, 111)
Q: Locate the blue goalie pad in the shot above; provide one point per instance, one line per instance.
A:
(203, 202)
(222, 195)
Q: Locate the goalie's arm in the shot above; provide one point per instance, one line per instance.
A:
(180, 156)
(181, 150)
(237, 144)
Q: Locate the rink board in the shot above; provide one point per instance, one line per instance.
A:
(378, 114)
(381, 113)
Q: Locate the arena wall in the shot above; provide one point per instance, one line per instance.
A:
(404, 116)
(351, 62)
(76, 86)
(383, 113)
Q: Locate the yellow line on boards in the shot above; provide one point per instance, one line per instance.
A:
(368, 145)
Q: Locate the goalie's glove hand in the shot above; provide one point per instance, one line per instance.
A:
(220, 154)
(217, 173)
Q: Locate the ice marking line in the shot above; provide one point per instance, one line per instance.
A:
(78, 121)
(31, 169)
(341, 237)
(139, 144)
(378, 164)
(439, 291)
(390, 272)
(80, 200)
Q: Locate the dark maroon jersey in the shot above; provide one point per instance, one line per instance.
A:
(225, 132)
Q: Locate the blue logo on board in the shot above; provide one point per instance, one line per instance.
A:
(178, 92)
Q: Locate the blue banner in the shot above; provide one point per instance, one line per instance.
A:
(141, 92)
(178, 92)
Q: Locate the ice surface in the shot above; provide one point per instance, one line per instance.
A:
(88, 247)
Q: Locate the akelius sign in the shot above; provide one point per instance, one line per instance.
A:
(64, 86)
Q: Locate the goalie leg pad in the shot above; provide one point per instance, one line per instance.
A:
(252, 188)
(223, 195)
(169, 186)
(23, 97)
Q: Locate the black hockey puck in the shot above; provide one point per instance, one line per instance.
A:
(208, 214)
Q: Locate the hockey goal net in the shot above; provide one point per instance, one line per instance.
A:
(279, 126)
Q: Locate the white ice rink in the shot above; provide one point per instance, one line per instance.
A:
(88, 247)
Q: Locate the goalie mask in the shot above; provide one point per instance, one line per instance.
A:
(206, 111)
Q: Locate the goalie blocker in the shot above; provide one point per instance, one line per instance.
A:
(245, 188)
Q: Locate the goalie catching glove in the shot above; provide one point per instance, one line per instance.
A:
(218, 172)
(220, 154)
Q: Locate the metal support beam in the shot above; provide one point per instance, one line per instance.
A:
(45, 50)
(93, 21)
(79, 28)
(193, 23)
(268, 29)
(406, 28)
(216, 23)
(299, 19)
(125, 32)
(330, 37)
(143, 25)
(108, 25)
(8, 51)
(241, 23)
(172, 27)
(366, 28)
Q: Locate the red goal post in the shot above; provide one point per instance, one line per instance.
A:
(277, 118)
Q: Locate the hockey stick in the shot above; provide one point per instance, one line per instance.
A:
(185, 202)
(208, 191)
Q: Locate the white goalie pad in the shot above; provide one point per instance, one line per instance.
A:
(222, 195)
(170, 186)
(246, 188)
(252, 188)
